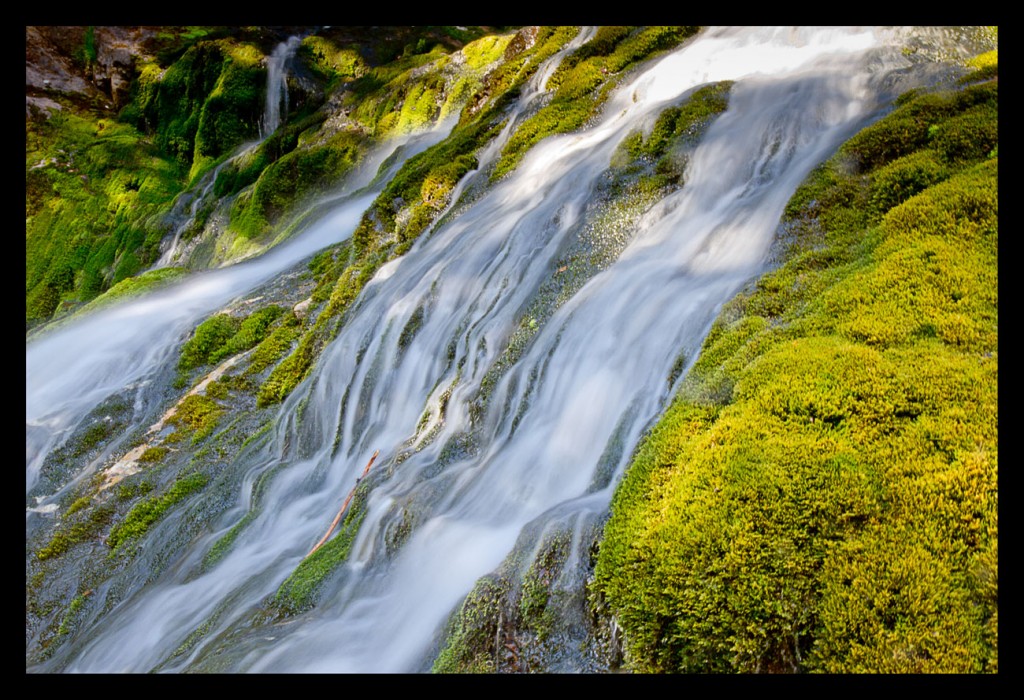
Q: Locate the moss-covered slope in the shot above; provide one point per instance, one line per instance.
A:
(822, 496)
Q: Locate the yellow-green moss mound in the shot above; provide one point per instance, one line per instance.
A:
(822, 496)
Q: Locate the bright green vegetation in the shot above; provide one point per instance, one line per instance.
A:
(130, 489)
(333, 63)
(143, 283)
(274, 345)
(292, 178)
(298, 592)
(78, 504)
(203, 105)
(822, 495)
(68, 621)
(153, 454)
(97, 187)
(145, 513)
(197, 415)
(91, 186)
(222, 336)
(210, 337)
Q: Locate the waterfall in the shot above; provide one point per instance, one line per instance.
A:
(128, 342)
(277, 85)
(479, 461)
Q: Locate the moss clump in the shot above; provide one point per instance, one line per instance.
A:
(901, 179)
(295, 177)
(196, 415)
(141, 517)
(153, 454)
(78, 505)
(286, 376)
(133, 489)
(333, 63)
(68, 620)
(223, 335)
(276, 343)
(208, 339)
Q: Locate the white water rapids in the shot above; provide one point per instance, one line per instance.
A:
(557, 428)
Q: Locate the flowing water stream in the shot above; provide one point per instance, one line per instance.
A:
(477, 458)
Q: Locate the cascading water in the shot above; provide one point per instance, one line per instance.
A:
(129, 341)
(476, 461)
(277, 85)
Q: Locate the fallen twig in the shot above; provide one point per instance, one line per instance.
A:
(337, 518)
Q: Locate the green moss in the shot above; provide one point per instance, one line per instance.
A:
(251, 331)
(102, 185)
(196, 415)
(293, 178)
(78, 505)
(68, 620)
(141, 517)
(332, 62)
(901, 179)
(274, 345)
(135, 286)
(131, 490)
(486, 50)
(286, 376)
(153, 454)
(472, 629)
(208, 341)
(93, 436)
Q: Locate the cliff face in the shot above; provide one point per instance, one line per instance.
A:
(56, 62)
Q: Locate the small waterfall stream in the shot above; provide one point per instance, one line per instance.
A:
(479, 461)
(193, 200)
(277, 85)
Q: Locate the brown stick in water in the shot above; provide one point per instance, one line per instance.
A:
(337, 518)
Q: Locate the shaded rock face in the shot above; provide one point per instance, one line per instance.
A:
(54, 66)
